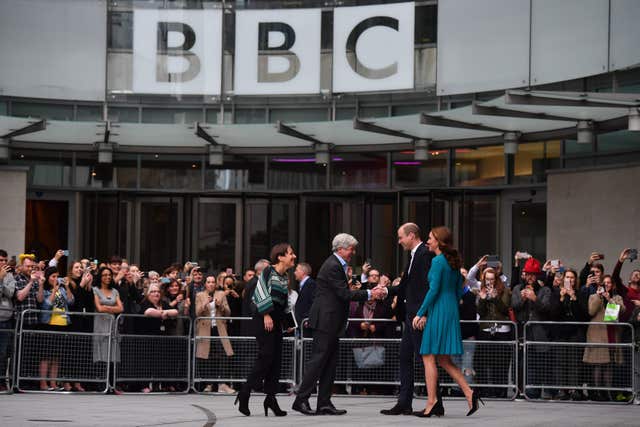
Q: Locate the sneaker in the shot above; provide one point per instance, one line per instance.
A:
(223, 388)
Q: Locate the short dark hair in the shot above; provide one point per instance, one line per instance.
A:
(115, 259)
(599, 267)
(4, 253)
(278, 250)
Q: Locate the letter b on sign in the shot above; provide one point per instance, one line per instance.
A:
(177, 51)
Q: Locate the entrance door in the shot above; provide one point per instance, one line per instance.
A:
(159, 221)
(218, 230)
(47, 228)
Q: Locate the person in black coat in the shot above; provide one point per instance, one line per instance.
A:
(306, 292)
(328, 320)
(411, 292)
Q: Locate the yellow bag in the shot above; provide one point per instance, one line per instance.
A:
(58, 317)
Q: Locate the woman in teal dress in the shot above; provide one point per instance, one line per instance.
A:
(440, 319)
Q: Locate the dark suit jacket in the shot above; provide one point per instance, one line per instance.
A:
(413, 286)
(305, 300)
(330, 308)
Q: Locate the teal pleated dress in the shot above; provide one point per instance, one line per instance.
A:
(442, 331)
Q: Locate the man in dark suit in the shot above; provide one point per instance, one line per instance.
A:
(328, 320)
(410, 292)
(306, 291)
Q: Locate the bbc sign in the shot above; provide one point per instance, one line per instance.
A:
(276, 51)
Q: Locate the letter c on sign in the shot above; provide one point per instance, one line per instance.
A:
(352, 41)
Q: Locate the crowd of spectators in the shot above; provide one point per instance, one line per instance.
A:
(491, 304)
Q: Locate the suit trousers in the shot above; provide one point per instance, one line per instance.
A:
(321, 367)
(269, 358)
(409, 350)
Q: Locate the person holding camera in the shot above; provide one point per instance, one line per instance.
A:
(492, 362)
(601, 359)
(631, 292)
(7, 290)
(591, 277)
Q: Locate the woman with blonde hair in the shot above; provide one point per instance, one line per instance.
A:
(440, 320)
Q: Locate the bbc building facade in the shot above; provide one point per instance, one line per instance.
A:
(166, 131)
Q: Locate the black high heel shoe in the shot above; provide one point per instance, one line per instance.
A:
(437, 410)
(474, 402)
(270, 402)
(243, 399)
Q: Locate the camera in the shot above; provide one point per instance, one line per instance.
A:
(65, 252)
(493, 261)
(633, 254)
(60, 281)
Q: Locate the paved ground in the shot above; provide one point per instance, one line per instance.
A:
(196, 410)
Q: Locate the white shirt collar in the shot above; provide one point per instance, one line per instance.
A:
(415, 248)
(303, 281)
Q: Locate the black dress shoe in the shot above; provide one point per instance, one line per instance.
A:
(397, 410)
(330, 410)
(303, 407)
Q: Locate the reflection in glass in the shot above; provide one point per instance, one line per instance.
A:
(383, 236)
(43, 111)
(478, 218)
(409, 172)
(171, 172)
(297, 173)
(479, 166)
(529, 225)
(299, 115)
(533, 159)
(237, 173)
(158, 234)
(46, 168)
(171, 115)
(256, 231)
(100, 225)
(359, 171)
(216, 235)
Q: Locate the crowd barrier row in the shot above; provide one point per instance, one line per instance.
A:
(108, 351)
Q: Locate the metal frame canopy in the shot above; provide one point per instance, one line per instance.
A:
(531, 115)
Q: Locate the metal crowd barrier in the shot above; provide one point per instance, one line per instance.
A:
(78, 357)
(150, 353)
(601, 369)
(491, 364)
(7, 344)
(219, 368)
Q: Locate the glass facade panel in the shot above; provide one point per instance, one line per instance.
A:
(426, 29)
(216, 235)
(296, 173)
(383, 236)
(478, 236)
(299, 115)
(213, 115)
(365, 112)
(123, 114)
(406, 110)
(571, 146)
(284, 222)
(533, 159)
(169, 171)
(43, 111)
(480, 166)
(46, 168)
(250, 115)
(529, 228)
(158, 233)
(88, 113)
(237, 173)
(3, 108)
(345, 113)
(620, 141)
(100, 241)
(409, 172)
(256, 231)
(359, 171)
(167, 115)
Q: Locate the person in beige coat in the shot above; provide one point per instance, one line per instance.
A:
(212, 303)
(602, 358)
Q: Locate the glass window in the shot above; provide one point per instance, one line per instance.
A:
(237, 173)
(621, 141)
(533, 159)
(406, 110)
(529, 225)
(383, 236)
(299, 115)
(571, 146)
(43, 111)
(170, 115)
(296, 173)
(345, 113)
(409, 172)
(159, 225)
(213, 115)
(256, 230)
(120, 34)
(479, 166)
(122, 173)
(88, 113)
(478, 216)
(123, 114)
(365, 112)
(216, 235)
(359, 171)
(284, 224)
(101, 220)
(46, 168)
(3, 108)
(170, 171)
(250, 115)
(426, 29)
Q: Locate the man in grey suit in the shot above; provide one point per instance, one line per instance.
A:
(328, 320)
